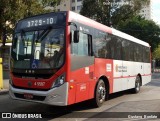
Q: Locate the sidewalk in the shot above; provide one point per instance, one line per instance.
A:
(5, 87)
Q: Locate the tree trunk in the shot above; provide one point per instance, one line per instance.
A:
(4, 37)
(1, 26)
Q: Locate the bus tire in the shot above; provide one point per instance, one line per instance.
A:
(100, 94)
(137, 85)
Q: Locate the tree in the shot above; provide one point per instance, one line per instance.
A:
(51, 3)
(145, 30)
(109, 11)
(123, 17)
(13, 10)
(95, 9)
(117, 16)
(6, 9)
(156, 53)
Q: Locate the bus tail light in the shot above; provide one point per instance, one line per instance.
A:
(59, 81)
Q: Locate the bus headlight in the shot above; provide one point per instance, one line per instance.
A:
(59, 81)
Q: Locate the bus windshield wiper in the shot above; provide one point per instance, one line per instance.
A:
(43, 34)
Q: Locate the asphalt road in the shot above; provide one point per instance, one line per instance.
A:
(147, 100)
(155, 80)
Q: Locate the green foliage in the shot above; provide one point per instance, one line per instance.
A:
(143, 29)
(111, 12)
(95, 10)
(137, 4)
(122, 14)
(52, 3)
(156, 53)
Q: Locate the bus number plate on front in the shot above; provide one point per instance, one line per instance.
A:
(39, 84)
(28, 96)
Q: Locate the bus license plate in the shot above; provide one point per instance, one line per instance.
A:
(28, 96)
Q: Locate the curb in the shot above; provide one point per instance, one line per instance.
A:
(4, 91)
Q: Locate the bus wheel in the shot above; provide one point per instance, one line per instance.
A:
(137, 85)
(100, 94)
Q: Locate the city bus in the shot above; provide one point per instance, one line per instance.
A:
(63, 58)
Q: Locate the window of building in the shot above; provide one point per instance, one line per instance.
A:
(79, 0)
(58, 3)
(73, 8)
(79, 7)
(73, 1)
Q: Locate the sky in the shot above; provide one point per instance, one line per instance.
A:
(156, 11)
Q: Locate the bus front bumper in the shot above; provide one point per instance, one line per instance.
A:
(56, 96)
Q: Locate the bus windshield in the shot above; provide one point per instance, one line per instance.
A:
(42, 49)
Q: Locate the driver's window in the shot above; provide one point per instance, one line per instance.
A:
(80, 48)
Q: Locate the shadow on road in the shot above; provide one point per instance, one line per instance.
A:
(50, 112)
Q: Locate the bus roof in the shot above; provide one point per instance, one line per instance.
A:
(89, 22)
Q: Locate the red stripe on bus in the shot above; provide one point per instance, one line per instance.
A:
(130, 76)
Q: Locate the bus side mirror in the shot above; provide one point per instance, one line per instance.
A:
(76, 36)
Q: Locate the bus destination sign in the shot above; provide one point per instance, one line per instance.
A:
(41, 20)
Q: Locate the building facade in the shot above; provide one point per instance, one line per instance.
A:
(73, 5)
(146, 11)
(64, 5)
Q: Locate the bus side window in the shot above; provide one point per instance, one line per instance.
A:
(126, 50)
(101, 46)
(146, 55)
(90, 46)
(82, 47)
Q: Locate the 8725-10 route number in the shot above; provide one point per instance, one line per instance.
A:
(40, 22)
(39, 84)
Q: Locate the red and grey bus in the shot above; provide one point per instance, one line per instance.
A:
(63, 58)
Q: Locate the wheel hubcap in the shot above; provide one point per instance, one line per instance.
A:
(101, 93)
(137, 86)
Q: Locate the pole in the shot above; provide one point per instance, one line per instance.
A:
(1, 74)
